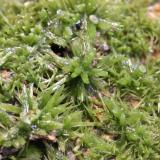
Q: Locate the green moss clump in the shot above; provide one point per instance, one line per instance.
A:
(78, 80)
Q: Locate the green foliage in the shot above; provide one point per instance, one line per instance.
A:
(74, 83)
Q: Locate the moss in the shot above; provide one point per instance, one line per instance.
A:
(79, 78)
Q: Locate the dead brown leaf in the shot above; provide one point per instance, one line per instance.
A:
(99, 112)
(86, 152)
(155, 55)
(5, 74)
(108, 137)
(134, 103)
(154, 11)
(98, 108)
(50, 137)
(100, 116)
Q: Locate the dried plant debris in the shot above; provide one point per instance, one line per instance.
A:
(79, 80)
(154, 11)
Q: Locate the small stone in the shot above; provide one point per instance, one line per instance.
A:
(93, 19)
(105, 47)
(71, 156)
(28, 3)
